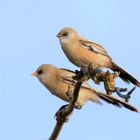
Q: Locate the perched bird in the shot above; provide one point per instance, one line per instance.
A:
(57, 81)
(82, 52)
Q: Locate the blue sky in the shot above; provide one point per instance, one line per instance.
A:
(28, 39)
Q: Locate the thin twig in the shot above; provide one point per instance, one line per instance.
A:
(56, 130)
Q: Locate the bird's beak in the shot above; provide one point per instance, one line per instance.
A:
(58, 35)
(34, 74)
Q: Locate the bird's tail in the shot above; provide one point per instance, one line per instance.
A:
(125, 75)
(115, 101)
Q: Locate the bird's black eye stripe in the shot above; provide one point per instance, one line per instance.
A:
(40, 72)
(65, 34)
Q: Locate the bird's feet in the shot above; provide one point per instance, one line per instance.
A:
(84, 74)
(60, 113)
(78, 106)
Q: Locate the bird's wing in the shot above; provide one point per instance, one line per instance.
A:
(66, 75)
(92, 46)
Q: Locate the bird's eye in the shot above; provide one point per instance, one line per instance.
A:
(40, 72)
(65, 34)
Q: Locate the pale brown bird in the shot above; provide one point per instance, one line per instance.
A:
(57, 81)
(82, 52)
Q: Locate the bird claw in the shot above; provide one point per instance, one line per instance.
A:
(78, 106)
(60, 113)
(84, 74)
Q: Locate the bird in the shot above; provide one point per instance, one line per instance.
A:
(58, 80)
(82, 52)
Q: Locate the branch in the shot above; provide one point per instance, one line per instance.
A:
(65, 112)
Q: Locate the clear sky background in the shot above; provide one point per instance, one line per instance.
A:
(28, 31)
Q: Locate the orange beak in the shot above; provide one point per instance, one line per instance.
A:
(34, 74)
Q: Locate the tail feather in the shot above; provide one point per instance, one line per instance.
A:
(115, 101)
(125, 75)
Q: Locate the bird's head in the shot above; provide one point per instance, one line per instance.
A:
(67, 35)
(44, 72)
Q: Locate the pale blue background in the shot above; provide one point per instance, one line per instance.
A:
(28, 31)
